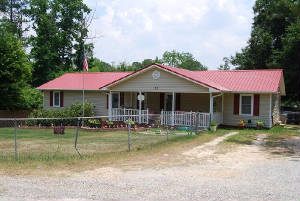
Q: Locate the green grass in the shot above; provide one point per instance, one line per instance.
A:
(246, 136)
(40, 147)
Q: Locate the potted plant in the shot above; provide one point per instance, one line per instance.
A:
(241, 124)
(259, 125)
(103, 122)
(110, 124)
(213, 126)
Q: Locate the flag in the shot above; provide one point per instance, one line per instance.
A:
(85, 63)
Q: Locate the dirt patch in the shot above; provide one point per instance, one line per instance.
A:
(206, 149)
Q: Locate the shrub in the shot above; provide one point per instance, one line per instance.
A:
(74, 110)
(213, 123)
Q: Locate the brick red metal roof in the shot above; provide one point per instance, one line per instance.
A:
(74, 81)
(245, 80)
(229, 80)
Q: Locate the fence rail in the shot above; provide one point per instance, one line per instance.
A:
(181, 118)
(123, 114)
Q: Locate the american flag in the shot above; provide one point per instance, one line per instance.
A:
(85, 63)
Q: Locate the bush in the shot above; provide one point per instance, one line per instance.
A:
(213, 123)
(75, 110)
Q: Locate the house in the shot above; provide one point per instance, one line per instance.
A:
(180, 96)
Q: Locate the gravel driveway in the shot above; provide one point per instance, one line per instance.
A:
(247, 172)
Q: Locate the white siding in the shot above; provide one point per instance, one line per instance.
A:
(165, 83)
(264, 111)
(97, 98)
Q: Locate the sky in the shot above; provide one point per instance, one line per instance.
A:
(134, 30)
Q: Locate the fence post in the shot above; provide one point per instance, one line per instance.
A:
(196, 123)
(76, 138)
(16, 145)
(129, 127)
(167, 133)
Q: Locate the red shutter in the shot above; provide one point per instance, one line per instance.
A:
(177, 105)
(51, 98)
(107, 101)
(256, 105)
(162, 100)
(61, 99)
(236, 104)
(121, 98)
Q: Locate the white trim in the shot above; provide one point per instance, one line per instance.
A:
(271, 122)
(118, 99)
(252, 104)
(54, 98)
(155, 66)
(251, 92)
(109, 106)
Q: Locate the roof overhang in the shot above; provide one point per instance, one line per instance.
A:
(147, 68)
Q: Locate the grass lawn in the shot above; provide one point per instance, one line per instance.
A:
(246, 136)
(40, 147)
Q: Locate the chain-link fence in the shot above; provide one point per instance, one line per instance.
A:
(54, 138)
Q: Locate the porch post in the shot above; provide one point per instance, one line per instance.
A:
(109, 106)
(211, 106)
(140, 108)
(173, 107)
(222, 106)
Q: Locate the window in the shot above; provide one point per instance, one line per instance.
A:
(115, 100)
(56, 99)
(246, 105)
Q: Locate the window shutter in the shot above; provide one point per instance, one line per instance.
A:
(51, 98)
(121, 98)
(61, 99)
(236, 104)
(107, 101)
(256, 105)
(162, 100)
(177, 106)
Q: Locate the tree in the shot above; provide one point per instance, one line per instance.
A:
(226, 65)
(15, 12)
(59, 33)
(273, 42)
(15, 70)
(182, 60)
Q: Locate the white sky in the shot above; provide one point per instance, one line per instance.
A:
(133, 30)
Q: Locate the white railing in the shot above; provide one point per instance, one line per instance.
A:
(217, 117)
(181, 118)
(123, 114)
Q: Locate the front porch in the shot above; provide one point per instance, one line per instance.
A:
(172, 109)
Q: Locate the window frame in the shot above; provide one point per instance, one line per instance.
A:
(252, 104)
(112, 93)
(56, 92)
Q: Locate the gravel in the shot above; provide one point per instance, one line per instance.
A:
(246, 173)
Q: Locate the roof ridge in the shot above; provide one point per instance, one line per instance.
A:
(238, 70)
(99, 72)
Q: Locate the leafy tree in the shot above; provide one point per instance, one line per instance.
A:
(182, 60)
(100, 66)
(59, 33)
(226, 65)
(273, 42)
(15, 12)
(15, 70)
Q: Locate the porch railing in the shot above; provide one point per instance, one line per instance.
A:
(185, 118)
(124, 114)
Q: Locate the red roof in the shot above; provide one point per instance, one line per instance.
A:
(74, 81)
(226, 80)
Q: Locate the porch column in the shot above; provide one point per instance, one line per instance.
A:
(211, 106)
(109, 106)
(173, 107)
(140, 108)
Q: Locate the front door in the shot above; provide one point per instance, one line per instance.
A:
(169, 102)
